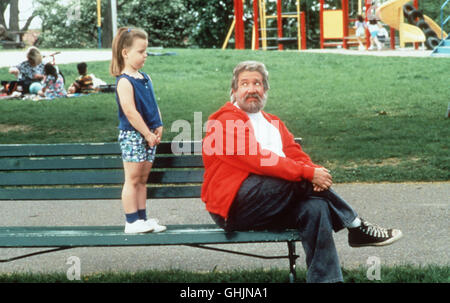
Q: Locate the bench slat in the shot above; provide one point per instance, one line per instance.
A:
(95, 177)
(93, 193)
(35, 150)
(75, 236)
(8, 164)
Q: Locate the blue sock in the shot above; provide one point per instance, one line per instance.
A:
(131, 218)
(142, 214)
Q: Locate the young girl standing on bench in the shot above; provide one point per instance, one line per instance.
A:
(140, 125)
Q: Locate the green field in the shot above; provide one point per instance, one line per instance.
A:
(368, 119)
(397, 274)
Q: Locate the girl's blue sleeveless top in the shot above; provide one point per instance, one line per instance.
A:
(145, 101)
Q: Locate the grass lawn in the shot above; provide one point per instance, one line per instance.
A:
(369, 119)
(397, 274)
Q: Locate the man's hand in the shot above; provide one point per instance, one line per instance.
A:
(322, 179)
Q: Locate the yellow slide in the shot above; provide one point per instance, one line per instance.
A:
(391, 13)
(433, 25)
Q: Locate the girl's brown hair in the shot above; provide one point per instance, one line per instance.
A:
(124, 38)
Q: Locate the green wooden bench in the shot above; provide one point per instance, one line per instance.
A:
(95, 171)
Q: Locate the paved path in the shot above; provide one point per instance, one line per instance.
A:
(408, 52)
(420, 210)
(11, 58)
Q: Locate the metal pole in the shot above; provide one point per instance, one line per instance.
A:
(114, 17)
(416, 5)
(321, 24)
(239, 27)
(255, 23)
(279, 23)
(99, 23)
(344, 4)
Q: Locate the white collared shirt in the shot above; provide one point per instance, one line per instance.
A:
(267, 135)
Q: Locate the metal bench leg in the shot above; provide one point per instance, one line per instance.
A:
(292, 258)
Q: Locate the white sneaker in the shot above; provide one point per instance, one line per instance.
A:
(139, 226)
(154, 225)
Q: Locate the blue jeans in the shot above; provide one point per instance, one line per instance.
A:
(270, 203)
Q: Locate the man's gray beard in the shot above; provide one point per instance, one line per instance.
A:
(254, 107)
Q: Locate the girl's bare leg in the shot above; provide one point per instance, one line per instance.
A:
(134, 192)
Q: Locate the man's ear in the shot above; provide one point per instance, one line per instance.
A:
(233, 96)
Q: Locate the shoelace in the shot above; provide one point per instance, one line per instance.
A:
(374, 230)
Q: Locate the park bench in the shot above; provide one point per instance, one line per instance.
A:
(95, 171)
(12, 39)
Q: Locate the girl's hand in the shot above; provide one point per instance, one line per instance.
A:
(152, 139)
(158, 132)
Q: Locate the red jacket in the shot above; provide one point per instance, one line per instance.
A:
(229, 157)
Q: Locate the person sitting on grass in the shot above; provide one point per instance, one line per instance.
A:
(257, 177)
(53, 86)
(27, 72)
(83, 84)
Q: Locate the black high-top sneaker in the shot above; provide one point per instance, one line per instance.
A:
(368, 234)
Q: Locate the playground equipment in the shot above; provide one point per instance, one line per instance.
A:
(443, 49)
(99, 23)
(400, 15)
(421, 28)
(335, 30)
(300, 22)
(260, 26)
(391, 13)
(334, 25)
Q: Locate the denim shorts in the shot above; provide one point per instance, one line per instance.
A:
(135, 148)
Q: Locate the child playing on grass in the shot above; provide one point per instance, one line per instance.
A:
(83, 84)
(140, 125)
(53, 86)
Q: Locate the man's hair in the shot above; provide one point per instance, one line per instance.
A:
(250, 66)
(82, 68)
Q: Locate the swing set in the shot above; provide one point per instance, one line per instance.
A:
(260, 30)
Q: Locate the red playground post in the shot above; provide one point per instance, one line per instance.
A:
(368, 5)
(239, 29)
(255, 22)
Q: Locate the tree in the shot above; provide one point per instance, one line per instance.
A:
(432, 9)
(166, 22)
(13, 17)
(212, 21)
(107, 32)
